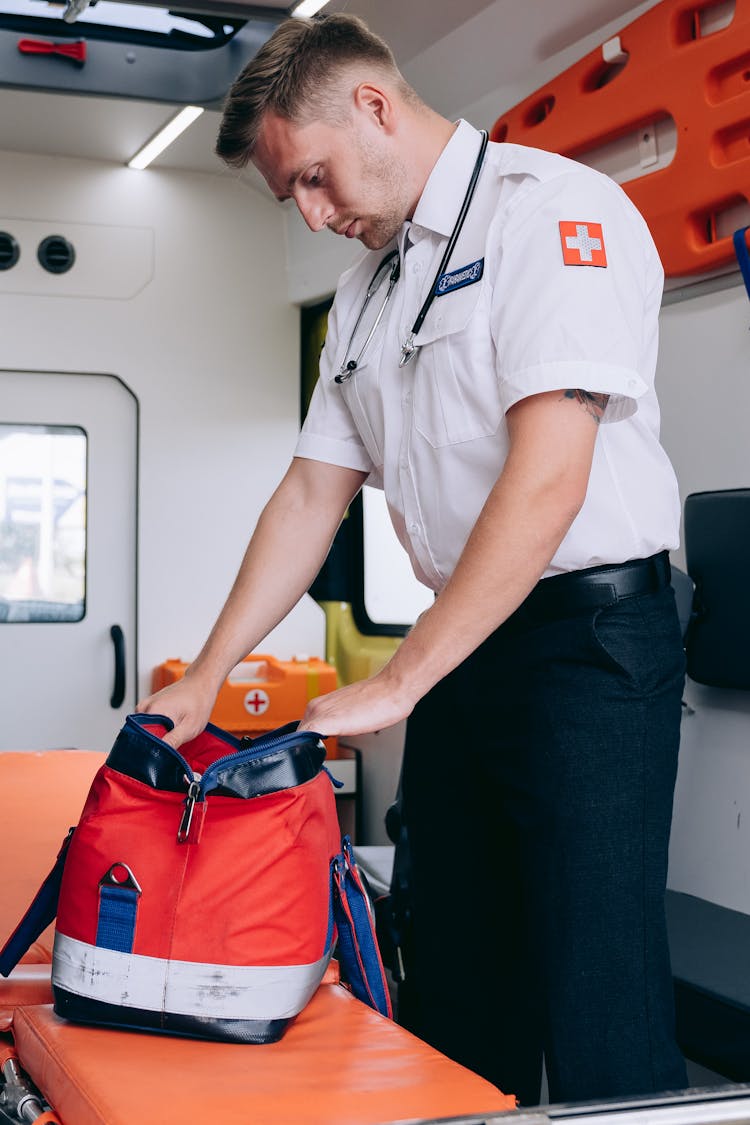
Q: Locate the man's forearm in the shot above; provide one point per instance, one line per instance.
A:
(508, 551)
(524, 520)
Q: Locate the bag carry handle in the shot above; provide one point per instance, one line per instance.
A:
(358, 946)
(39, 915)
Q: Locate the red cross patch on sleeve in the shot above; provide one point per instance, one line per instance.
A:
(582, 244)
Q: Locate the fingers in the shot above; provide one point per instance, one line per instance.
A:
(145, 706)
(184, 705)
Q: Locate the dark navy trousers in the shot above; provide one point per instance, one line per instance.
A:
(537, 789)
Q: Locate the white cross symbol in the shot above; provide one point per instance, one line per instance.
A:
(583, 242)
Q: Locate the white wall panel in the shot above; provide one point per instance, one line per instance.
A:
(210, 348)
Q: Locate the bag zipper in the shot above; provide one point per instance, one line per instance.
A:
(197, 783)
(279, 742)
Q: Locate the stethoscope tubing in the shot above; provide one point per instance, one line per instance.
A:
(409, 349)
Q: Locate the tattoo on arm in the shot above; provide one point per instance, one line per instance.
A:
(593, 403)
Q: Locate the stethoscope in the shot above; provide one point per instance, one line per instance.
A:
(392, 264)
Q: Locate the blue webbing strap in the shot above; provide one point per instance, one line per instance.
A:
(118, 907)
(743, 255)
(39, 915)
(357, 944)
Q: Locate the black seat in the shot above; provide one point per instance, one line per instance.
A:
(717, 549)
(710, 951)
(710, 944)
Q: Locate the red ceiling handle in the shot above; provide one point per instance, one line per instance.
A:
(75, 51)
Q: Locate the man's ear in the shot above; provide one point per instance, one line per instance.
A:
(376, 104)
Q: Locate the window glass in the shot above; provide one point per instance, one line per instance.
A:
(393, 596)
(42, 523)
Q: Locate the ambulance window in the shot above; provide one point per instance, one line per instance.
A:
(42, 523)
(393, 596)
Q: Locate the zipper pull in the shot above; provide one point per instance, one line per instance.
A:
(193, 793)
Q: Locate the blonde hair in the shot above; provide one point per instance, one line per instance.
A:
(298, 74)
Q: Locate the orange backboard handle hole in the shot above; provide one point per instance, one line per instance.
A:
(605, 74)
(539, 111)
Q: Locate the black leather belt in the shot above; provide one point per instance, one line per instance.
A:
(566, 594)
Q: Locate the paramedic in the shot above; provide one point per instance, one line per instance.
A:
(518, 450)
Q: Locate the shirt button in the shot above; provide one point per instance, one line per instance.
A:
(417, 267)
(404, 463)
(415, 528)
(407, 397)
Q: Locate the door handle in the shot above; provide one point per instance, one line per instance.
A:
(118, 689)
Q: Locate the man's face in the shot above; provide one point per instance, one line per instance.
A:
(344, 177)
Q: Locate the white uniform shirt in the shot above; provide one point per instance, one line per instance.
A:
(433, 434)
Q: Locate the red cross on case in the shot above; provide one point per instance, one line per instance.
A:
(582, 244)
(256, 702)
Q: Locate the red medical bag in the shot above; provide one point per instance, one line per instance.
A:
(202, 890)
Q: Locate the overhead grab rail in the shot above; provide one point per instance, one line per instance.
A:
(682, 63)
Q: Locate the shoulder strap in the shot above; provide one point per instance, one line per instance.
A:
(743, 257)
(39, 915)
(358, 951)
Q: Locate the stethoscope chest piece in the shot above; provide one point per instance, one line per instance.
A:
(408, 351)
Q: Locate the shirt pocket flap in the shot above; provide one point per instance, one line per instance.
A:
(453, 307)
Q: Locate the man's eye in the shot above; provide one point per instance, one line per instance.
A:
(314, 178)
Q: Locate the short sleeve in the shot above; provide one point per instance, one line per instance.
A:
(577, 294)
(329, 433)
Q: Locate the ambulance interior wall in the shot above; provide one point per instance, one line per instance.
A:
(209, 345)
(705, 401)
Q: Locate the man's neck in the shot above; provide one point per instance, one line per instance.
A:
(427, 135)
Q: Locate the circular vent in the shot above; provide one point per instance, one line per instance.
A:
(55, 254)
(9, 251)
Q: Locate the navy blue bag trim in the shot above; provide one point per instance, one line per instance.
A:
(81, 1009)
(42, 911)
(359, 956)
(145, 757)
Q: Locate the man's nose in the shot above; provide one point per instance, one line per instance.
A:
(315, 212)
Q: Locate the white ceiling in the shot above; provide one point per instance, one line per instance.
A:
(454, 51)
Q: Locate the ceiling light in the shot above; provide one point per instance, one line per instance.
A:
(165, 136)
(309, 7)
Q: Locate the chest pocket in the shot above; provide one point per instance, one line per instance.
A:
(362, 395)
(456, 391)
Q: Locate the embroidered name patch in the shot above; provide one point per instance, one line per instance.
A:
(582, 244)
(467, 275)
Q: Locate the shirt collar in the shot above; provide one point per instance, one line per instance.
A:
(443, 194)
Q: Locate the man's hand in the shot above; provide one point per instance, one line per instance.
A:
(360, 708)
(187, 703)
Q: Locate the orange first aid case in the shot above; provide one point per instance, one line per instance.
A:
(262, 693)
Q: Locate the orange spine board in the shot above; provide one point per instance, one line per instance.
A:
(673, 69)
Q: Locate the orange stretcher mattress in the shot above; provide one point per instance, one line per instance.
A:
(43, 794)
(339, 1063)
